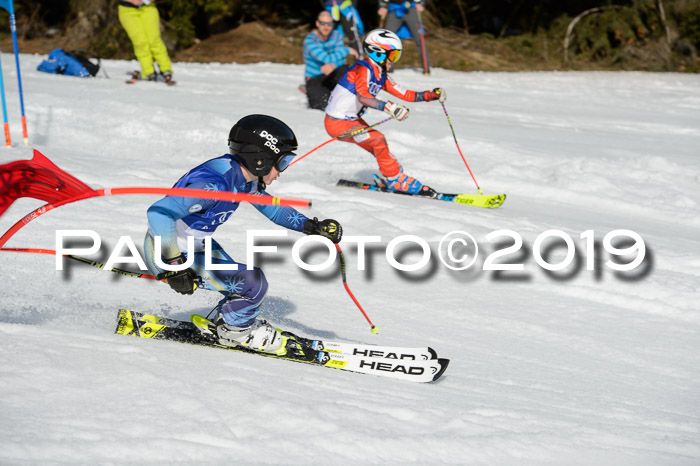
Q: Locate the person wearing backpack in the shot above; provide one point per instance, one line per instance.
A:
(141, 21)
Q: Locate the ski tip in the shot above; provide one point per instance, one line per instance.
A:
(443, 367)
(501, 201)
(496, 200)
(433, 353)
(125, 322)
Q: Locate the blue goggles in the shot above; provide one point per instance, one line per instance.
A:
(283, 162)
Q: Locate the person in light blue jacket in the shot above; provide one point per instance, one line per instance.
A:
(324, 57)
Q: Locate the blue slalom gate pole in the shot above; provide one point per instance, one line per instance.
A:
(9, 6)
(8, 142)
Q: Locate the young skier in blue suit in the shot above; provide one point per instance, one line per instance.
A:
(261, 147)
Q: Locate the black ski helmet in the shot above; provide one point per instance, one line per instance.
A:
(259, 141)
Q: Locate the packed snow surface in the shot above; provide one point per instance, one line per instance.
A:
(575, 366)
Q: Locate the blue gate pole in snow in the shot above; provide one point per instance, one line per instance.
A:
(8, 142)
(9, 6)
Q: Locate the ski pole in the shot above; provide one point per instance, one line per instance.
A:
(375, 329)
(460, 150)
(421, 30)
(13, 27)
(99, 265)
(358, 40)
(84, 261)
(185, 192)
(8, 140)
(342, 136)
(363, 130)
(312, 150)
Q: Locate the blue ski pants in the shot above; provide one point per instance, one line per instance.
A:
(243, 290)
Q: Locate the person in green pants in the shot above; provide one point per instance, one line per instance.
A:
(141, 21)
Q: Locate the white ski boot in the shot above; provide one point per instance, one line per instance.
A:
(260, 336)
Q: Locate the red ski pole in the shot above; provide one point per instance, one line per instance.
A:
(374, 329)
(311, 151)
(421, 29)
(185, 192)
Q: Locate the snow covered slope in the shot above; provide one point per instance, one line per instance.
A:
(572, 367)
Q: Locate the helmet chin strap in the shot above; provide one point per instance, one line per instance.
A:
(261, 184)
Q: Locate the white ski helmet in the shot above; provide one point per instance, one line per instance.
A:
(380, 44)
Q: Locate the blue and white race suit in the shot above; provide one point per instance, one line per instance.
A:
(175, 218)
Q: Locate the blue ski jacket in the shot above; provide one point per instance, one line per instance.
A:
(174, 218)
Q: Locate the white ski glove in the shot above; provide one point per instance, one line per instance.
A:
(397, 111)
(442, 94)
(438, 94)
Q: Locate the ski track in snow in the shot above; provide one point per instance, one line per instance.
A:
(574, 367)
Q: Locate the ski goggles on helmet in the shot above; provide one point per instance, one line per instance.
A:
(394, 55)
(380, 55)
